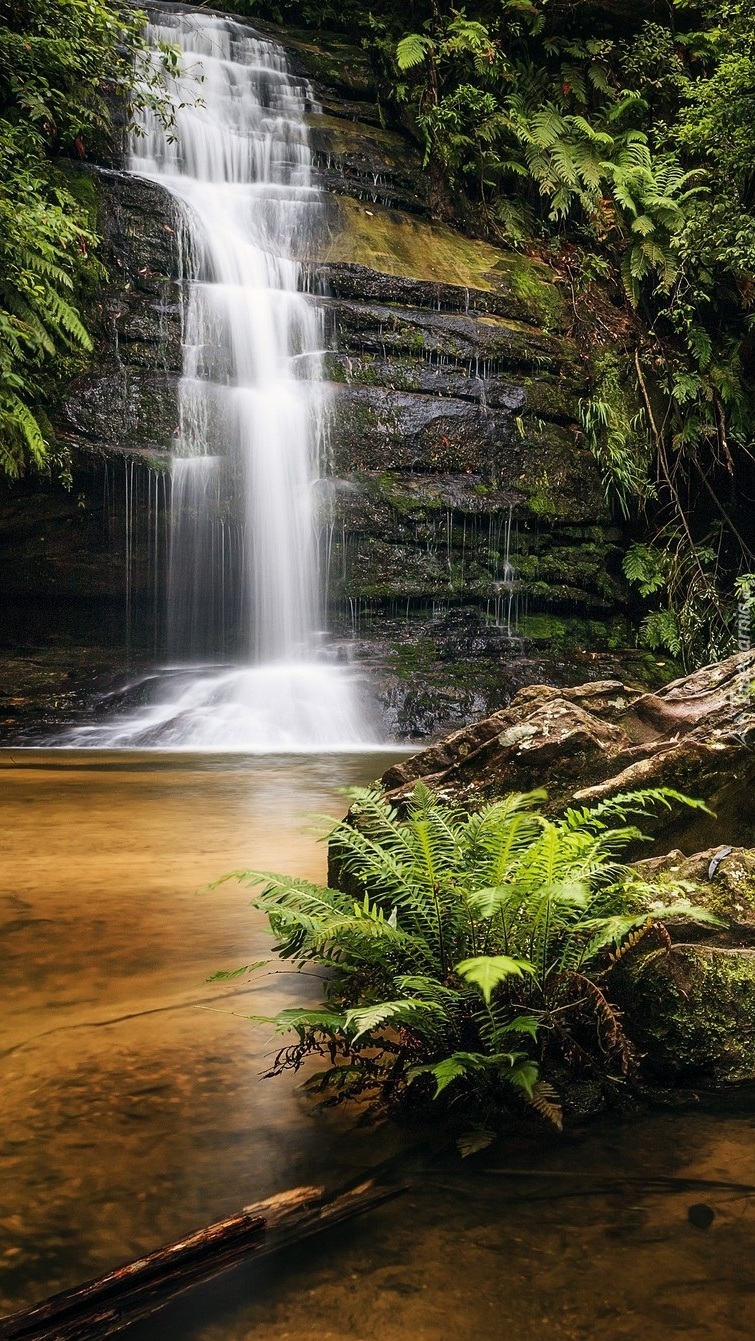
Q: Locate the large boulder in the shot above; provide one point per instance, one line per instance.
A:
(697, 735)
(690, 1006)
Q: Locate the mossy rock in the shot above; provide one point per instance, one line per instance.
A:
(375, 166)
(720, 879)
(122, 413)
(327, 58)
(395, 243)
(692, 1013)
(481, 348)
(691, 1009)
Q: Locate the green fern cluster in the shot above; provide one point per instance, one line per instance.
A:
(616, 432)
(473, 950)
(566, 126)
(42, 236)
(690, 618)
(56, 64)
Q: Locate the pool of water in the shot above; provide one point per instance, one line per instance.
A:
(134, 1108)
(578, 1238)
(133, 1103)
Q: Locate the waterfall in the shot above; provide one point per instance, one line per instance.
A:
(243, 569)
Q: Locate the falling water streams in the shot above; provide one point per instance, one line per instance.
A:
(243, 572)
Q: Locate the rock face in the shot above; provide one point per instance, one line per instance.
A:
(584, 744)
(462, 497)
(468, 542)
(125, 403)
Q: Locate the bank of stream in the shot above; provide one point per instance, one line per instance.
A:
(134, 1107)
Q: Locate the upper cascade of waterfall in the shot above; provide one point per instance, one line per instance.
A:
(238, 160)
(243, 565)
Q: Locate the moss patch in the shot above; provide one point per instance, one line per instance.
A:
(399, 244)
(693, 1012)
(344, 136)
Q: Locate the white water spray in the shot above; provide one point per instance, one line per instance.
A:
(253, 413)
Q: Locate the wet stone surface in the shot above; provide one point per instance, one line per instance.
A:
(458, 479)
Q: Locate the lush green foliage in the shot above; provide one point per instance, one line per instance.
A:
(680, 578)
(473, 951)
(617, 433)
(641, 149)
(43, 237)
(58, 62)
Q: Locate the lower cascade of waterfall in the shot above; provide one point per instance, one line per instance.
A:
(279, 708)
(243, 584)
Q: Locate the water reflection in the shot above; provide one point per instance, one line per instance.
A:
(574, 1239)
(133, 1104)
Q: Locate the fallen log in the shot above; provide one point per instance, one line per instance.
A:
(107, 1305)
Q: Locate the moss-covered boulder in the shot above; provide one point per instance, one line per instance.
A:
(691, 1012)
(690, 1007)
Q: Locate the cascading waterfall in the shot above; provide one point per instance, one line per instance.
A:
(243, 581)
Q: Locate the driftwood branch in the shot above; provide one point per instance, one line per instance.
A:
(112, 1302)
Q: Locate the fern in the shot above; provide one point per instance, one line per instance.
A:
(476, 948)
(546, 1101)
(617, 437)
(20, 435)
(412, 51)
(660, 632)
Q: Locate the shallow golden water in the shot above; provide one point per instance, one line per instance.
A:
(553, 1238)
(133, 1108)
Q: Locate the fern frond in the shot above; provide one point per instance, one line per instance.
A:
(642, 802)
(366, 1019)
(547, 1102)
(67, 321)
(412, 51)
(19, 426)
(546, 126)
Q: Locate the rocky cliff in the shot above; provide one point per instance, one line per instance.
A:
(467, 541)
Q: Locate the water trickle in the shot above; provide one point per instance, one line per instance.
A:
(243, 562)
